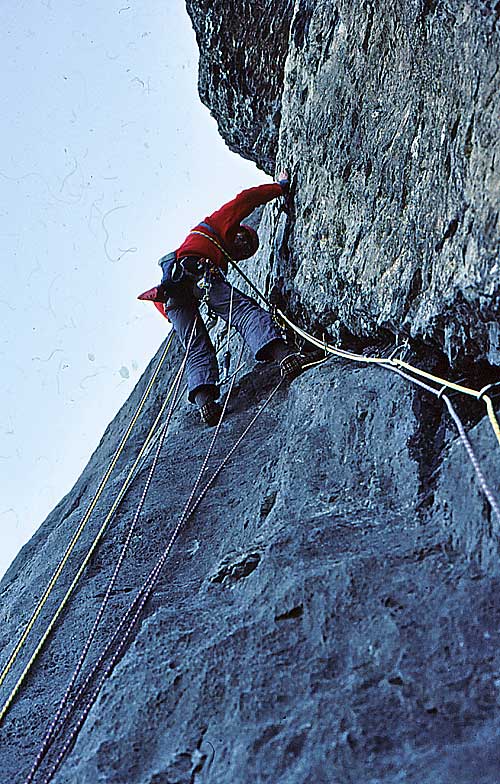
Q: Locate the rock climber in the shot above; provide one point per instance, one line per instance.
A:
(201, 260)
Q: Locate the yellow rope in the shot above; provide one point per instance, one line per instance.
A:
(479, 395)
(75, 539)
(399, 363)
(443, 382)
(492, 416)
(328, 348)
(339, 352)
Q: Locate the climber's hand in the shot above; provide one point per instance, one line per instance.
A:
(283, 177)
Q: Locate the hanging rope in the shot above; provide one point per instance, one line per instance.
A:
(398, 363)
(149, 585)
(328, 348)
(76, 536)
(473, 458)
(53, 726)
(81, 569)
(128, 620)
(151, 439)
(154, 440)
(463, 436)
(130, 617)
(142, 598)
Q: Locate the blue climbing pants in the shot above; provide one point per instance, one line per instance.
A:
(254, 324)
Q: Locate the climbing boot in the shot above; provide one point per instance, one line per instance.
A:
(295, 364)
(210, 413)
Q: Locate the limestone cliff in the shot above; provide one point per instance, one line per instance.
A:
(331, 613)
(388, 117)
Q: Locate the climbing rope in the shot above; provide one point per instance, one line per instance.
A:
(399, 366)
(76, 536)
(84, 563)
(140, 600)
(463, 436)
(128, 620)
(53, 726)
(138, 465)
(472, 456)
(396, 363)
(148, 444)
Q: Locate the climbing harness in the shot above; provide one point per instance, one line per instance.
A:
(233, 263)
(76, 536)
(204, 284)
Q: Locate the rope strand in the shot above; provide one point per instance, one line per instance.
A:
(129, 619)
(76, 536)
(463, 436)
(478, 394)
(122, 632)
(53, 726)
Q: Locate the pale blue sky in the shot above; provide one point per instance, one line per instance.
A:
(107, 159)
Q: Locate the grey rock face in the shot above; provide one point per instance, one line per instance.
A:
(390, 126)
(243, 49)
(330, 613)
(318, 614)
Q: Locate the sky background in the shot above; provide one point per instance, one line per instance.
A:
(107, 159)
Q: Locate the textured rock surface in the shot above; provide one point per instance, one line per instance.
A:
(331, 613)
(317, 620)
(391, 128)
(243, 48)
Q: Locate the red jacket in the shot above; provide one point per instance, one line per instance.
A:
(226, 222)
